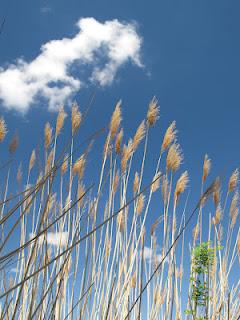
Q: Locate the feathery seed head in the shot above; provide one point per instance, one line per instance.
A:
(79, 166)
(169, 136)
(126, 154)
(140, 203)
(139, 135)
(3, 129)
(32, 160)
(115, 120)
(115, 182)
(76, 118)
(233, 181)
(136, 183)
(154, 226)
(13, 144)
(60, 120)
(49, 161)
(134, 280)
(234, 204)
(118, 142)
(206, 168)
(107, 148)
(156, 182)
(174, 157)
(153, 112)
(48, 135)
(218, 215)
(181, 186)
(19, 173)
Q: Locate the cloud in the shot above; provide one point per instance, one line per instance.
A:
(46, 9)
(150, 255)
(63, 67)
(57, 239)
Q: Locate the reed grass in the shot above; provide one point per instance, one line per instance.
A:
(75, 249)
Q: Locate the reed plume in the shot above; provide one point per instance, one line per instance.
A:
(76, 118)
(60, 120)
(181, 185)
(3, 129)
(115, 120)
(48, 135)
(174, 157)
(153, 112)
(233, 181)
(13, 144)
(206, 167)
(170, 136)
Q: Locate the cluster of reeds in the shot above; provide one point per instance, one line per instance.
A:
(71, 249)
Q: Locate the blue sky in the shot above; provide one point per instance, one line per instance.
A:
(190, 51)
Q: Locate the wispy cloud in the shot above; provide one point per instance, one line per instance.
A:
(151, 255)
(59, 71)
(57, 239)
(46, 9)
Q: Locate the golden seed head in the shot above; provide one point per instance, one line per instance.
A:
(174, 157)
(126, 154)
(181, 185)
(140, 204)
(19, 173)
(206, 168)
(216, 198)
(3, 129)
(49, 161)
(60, 120)
(170, 136)
(233, 181)
(48, 135)
(120, 221)
(64, 165)
(118, 142)
(79, 166)
(156, 182)
(218, 215)
(139, 135)
(115, 182)
(107, 148)
(234, 218)
(136, 183)
(143, 235)
(13, 144)
(134, 280)
(115, 120)
(76, 118)
(153, 112)
(32, 160)
(234, 204)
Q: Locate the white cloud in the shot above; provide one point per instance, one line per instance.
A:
(46, 9)
(150, 255)
(58, 239)
(100, 48)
